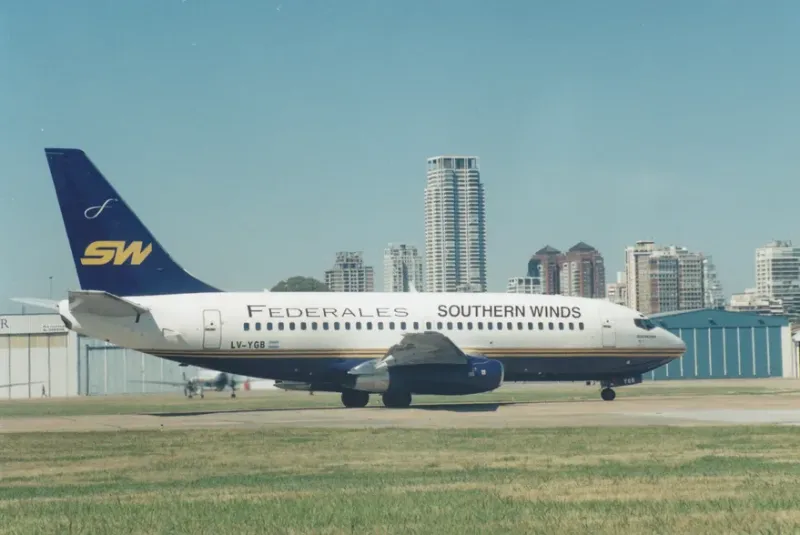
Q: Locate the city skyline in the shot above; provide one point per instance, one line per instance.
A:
(607, 124)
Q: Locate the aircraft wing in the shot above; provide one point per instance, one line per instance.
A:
(103, 304)
(415, 349)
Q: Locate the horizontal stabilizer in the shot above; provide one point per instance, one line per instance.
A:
(103, 304)
(36, 302)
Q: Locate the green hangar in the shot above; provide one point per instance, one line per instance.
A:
(721, 344)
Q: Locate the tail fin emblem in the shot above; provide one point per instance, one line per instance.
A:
(94, 211)
(100, 253)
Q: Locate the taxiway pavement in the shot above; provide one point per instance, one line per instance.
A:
(782, 409)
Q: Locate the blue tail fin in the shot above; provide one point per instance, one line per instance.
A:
(113, 251)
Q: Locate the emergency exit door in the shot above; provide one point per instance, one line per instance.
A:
(212, 329)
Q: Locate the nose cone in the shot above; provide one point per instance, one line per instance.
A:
(674, 342)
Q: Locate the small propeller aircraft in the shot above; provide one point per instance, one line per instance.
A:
(198, 385)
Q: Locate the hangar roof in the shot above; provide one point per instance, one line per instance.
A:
(715, 317)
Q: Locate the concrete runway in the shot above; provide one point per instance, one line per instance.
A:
(781, 409)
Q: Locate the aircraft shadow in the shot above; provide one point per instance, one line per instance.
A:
(451, 407)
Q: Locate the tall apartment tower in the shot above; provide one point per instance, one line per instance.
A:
(455, 226)
(583, 272)
(714, 296)
(580, 272)
(663, 279)
(349, 274)
(402, 267)
(778, 274)
(617, 292)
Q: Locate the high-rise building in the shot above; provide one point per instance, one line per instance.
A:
(455, 226)
(778, 274)
(349, 274)
(617, 292)
(402, 268)
(663, 279)
(714, 297)
(580, 272)
(750, 301)
(524, 285)
(546, 264)
(583, 272)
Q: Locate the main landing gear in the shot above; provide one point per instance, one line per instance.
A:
(392, 400)
(608, 394)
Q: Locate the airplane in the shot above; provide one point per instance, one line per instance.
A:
(199, 384)
(134, 295)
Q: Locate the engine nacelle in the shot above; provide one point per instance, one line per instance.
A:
(479, 375)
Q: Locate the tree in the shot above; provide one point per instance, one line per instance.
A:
(300, 284)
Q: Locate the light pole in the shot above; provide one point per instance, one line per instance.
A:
(50, 295)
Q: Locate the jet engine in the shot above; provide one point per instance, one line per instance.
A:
(478, 375)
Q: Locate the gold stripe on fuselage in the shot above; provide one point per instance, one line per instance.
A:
(511, 352)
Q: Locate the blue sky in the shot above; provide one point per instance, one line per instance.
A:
(256, 138)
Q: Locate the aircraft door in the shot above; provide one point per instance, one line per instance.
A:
(609, 334)
(212, 329)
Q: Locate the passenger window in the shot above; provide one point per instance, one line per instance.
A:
(391, 325)
(280, 325)
(428, 325)
(530, 325)
(480, 325)
(469, 325)
(258, 325)
(449, 325)
(510, 326)
(246, 326)
(358, 325)
(550, 325)
(460, 325)
(580, 326)
(519, 325)
(571, 326)
(402, 325)
(541, 326)
(347, 325)
(499, 326)
(369, 325)
(560, 326)
(303, 326)
(325, 325)
(380, 325)
(439, 325)
(416, 325)
(489, 325)
(269, 326)
(291, 326)
(336, 325)
(314, 326)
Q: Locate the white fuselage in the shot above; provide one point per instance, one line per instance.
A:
(281, 327)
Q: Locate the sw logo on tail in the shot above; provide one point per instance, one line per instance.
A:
(100, 253)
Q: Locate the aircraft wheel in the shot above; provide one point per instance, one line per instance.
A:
(608, 394)
(233, 394)
(355, 398)
(396, 400)
(202, 395)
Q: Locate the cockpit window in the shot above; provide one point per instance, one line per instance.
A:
(644, 323)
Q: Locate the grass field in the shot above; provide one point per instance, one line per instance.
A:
(138, 404)
(559, 481)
